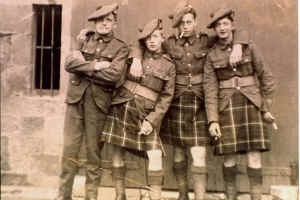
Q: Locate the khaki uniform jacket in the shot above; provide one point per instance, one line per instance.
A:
(81, 65)
(189, 55)
(217, 69)
(159, 76)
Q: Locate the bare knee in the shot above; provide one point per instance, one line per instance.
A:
(155, 160)
(254, 159)
(117, 155)
(179, 154)
(198, 154)
(229, 160)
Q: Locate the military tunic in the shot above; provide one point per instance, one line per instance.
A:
(236, 98)
(131, 107)
(88, 100)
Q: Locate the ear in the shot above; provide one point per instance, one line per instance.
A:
(115, 25)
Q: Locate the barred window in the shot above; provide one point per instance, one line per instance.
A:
(48, 19)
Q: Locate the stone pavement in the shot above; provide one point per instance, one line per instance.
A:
(107, 193)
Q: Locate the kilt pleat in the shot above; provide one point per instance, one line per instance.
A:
(122, 126)
(242, 128)
(185, 123)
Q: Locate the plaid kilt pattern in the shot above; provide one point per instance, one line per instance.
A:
(122, 126)
(242, 128)
(185, 123)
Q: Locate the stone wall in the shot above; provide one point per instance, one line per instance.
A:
(31, 122)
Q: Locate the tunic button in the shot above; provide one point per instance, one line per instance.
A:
(188, 54)
(234, 69)
(73, 81)
(189, 65)
(229, 49)
(97, 49)
(100, 41)
(147, 67)
(238, 87)
(186, 44)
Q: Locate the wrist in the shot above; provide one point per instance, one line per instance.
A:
(212, 122)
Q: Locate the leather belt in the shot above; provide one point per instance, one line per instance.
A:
(189, 79)
(140, 90)
(238, 82)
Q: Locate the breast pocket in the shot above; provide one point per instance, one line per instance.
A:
(155, 80)
(75, 80)
(105, 57)
(200, 54)
(88, 51)
(245, 65)
(220, 64)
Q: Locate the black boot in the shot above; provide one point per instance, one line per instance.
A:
(155, 180)
(118, 174)
(180, 172)
(229, 174)
(255, 180)
(199, 182)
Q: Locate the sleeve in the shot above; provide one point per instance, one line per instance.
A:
(117, 69)
(211, 86)
(136, 50)
(75, 63)
(265, 77)
(164, 100)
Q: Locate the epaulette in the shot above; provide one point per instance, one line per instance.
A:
(167, 57)
(120, 40)
(173, 36)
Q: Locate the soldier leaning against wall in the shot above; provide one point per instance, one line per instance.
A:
(96, 70)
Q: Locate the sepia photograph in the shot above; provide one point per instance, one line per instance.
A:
(149, 100)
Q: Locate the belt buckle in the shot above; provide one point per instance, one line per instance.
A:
(236, 83)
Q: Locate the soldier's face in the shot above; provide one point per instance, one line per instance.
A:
(154, 41)
(187, 25)
(224, 28)
(106, 24)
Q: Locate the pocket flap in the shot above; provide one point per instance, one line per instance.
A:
(200, 54)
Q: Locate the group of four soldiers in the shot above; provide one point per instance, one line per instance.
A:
(172, 90)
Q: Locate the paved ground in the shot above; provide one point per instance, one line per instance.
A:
(107, 193)
(36, 193)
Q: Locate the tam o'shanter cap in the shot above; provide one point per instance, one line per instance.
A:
(182, 8)
(149, 28)
(219, 14)
(103, 11)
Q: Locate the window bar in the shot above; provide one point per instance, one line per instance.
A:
(42, 50)
(52, 50)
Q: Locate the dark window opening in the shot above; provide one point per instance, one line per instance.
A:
(47, 46)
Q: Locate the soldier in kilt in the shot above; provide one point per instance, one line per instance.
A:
(238, 103)
(185, 125)
(138, 109)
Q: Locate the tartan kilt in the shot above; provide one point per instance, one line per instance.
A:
(242, 127)
(185, 123)
(122, 126)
